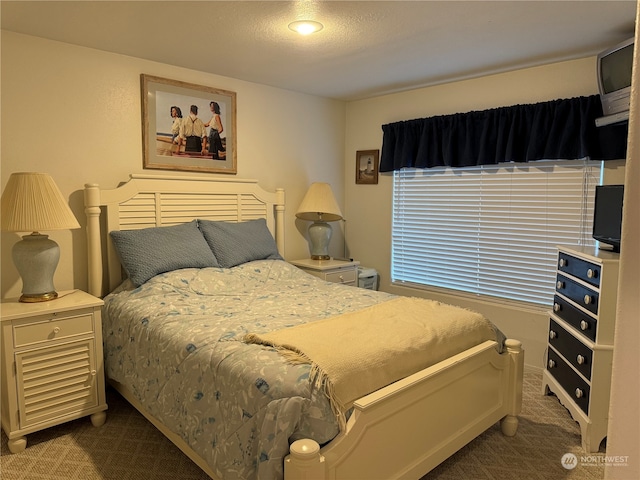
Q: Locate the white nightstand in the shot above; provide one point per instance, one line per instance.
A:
(336, 271)
(52, 366)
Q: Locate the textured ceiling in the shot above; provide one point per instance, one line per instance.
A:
(366, 48)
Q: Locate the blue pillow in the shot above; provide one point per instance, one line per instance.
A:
(148, 252)
(236, 243)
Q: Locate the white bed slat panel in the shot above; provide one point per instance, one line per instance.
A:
(146, 210)
(154, 200)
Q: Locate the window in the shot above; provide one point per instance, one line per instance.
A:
(491, 229)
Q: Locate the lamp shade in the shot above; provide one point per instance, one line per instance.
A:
(32, 202)
(319, 204)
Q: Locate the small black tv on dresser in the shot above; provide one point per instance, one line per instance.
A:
(607, 215)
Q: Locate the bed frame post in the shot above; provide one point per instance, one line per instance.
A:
(92, 211)
(280, 220)
(509, 423)
(304, 462)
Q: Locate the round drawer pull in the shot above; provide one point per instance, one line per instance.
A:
(93, 373)
(588, 299)
(591, 273)
(551, 363)
(563, 262)
(580, 359)
(559, 285)
(579, 393)
(556, 307)
(552, 334)
(584, 325)
(56, 330)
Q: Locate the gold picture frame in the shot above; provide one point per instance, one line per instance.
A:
(367, 167)
(187, 142)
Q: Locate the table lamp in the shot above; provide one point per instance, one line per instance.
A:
(32, 202)
(320, 206)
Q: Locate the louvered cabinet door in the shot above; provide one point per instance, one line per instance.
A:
(56, 381)
(52, 366)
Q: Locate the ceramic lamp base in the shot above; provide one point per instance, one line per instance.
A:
(320, 236)
(36, 258)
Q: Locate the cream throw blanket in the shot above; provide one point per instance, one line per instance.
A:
(356, 353)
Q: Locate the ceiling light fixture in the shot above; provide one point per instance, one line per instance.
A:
(306, 27)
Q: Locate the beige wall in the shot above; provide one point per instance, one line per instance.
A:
(368, 207)
(75, 113)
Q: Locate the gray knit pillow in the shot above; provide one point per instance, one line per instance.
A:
(148, 252)
(236, 243)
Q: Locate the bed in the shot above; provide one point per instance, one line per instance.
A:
(227, 383)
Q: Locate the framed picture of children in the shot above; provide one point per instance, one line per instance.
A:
(187, 127)
(367, 166)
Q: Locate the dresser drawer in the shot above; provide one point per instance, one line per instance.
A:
(570, 381)
(342, 276)
(576, 352)
(586, 271)
(575, 317)
(51, 328)
(581, 295)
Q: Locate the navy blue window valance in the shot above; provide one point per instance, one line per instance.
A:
(559, 129)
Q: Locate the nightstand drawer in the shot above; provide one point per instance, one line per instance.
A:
(50, 328)
(343, 276)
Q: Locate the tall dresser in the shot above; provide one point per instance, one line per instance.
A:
(580, 345)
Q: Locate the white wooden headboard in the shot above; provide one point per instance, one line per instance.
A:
(156, 200)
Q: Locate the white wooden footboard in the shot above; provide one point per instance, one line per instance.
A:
(406, 429)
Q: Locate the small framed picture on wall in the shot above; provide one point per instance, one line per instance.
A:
(367, 166)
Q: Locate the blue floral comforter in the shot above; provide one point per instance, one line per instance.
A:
(176, 344)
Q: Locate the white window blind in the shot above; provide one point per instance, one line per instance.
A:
(493, 229)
